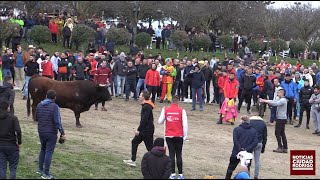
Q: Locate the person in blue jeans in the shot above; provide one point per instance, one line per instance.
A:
(142, 71)
(10, 140)
(49, 121)
(6, 63)
(198, 80)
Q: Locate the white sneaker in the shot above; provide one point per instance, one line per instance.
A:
(172, 176)
(130, 162)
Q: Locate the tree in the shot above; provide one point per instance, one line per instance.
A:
(254, 46)
(226, 41)
(304, 20)
(202, 41)
(82, 34)
(180, 39)
(315, 46)
(143, 39)
(271, 22)
(297, 46)
(120, 36)
(279, 45)
(40, 34)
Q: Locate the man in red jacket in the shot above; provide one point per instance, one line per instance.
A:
(103, 77)
(93, 64)
(221, 81)
(176, 131)
(54, 28)
(47, 69)
(153, 81)
(231, 92)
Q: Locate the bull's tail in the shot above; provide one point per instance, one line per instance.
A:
(28, 104)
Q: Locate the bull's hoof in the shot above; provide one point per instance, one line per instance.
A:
(79, 126)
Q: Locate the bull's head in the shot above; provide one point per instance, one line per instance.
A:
(103, 93)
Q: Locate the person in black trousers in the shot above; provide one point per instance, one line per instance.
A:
(249, 82)
(66, 32)
(245, 138)
(163, 37)
(180, 79)
(10, 140)
(304, 96)
(208, 74)
(130, 80)
(187, 80)
(145, 130)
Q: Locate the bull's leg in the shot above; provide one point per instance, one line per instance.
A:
(78, 120)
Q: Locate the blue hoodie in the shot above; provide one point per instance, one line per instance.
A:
(48, 117)
(290, 88)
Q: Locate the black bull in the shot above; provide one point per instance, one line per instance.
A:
(78, 96)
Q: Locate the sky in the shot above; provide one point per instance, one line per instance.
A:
(283, 4)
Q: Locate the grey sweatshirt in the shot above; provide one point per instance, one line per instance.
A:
(314, 100)
(281, 103)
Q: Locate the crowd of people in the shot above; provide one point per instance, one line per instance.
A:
(287, 90)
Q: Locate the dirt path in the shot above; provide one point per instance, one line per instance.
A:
(206, 151)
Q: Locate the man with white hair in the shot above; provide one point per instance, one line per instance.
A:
(119, 67)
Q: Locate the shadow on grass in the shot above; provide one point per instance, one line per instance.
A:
(71, 160)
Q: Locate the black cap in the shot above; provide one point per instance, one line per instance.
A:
(287, 74)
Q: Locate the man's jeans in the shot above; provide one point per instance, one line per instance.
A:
(6, 72)
(8, 154)
(139, 84)
(114, 85)
(120, 81)
(257, 153)
(48, 143)
(194, 98)
(26, 86)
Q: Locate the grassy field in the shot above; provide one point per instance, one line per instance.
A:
(74, 159)
(51, 48)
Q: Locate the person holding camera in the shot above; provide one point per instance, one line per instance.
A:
(198, 80)
(315, 109)
(49, 120)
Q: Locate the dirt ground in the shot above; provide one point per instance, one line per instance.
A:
(207, 150)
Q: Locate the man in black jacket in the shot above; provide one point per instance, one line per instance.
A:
(31, 68)
(156, 164)
(145, 130)
(208, 74)
(261, 127)
(10, 140)
(249, 82)
(198, 80)
(66, 32)
(304, 96)
(187, 80)
(131, 75)
(7, 92)
(142, 71)
(245, 138)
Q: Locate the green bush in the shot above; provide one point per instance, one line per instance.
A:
(39, 34)
(315, 46)
(143, 39)
(297, 46)
(279, 45)
(120, 36)
(7, 30)
(254, 46)
(180, 39)
(83, 34)
(202, 41)
(226, 41)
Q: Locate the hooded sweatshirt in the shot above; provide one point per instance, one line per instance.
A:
(261, 127)
(48, 117)
(10, 131)
(245, 137)
(7, 92)
(146, 126)
(156, 164)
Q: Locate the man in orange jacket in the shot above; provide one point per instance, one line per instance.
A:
(153, 81)
(231, 92)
